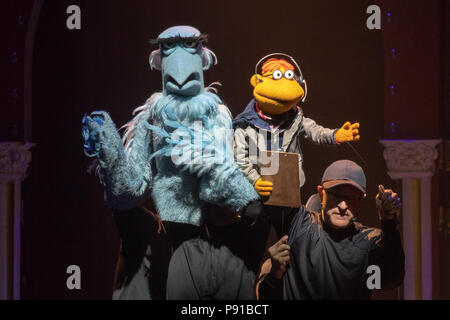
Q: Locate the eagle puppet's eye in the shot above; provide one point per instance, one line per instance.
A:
(190, 44)
(277, 74)
(289, 74)
(168, 45)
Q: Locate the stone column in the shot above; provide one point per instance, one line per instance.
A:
(413, 161)
(14, 160)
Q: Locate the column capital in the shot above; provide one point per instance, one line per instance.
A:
(410, 158)
(14, 160)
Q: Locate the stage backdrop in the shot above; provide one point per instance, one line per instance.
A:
(104, 66)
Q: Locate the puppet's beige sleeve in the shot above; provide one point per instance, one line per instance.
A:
(316, 133)
(241, 154)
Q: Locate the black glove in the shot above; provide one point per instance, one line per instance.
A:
(253, 212)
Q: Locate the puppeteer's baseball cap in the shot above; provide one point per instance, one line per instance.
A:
(344, 172)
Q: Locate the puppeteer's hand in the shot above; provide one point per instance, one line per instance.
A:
(348, 132)
(388, 204)
(279, 256)
(264, 188)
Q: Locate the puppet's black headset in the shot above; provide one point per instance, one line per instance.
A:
(298, 77)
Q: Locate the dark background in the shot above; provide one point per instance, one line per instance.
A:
(105, 66)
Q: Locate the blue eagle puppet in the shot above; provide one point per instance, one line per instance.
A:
(178, 149)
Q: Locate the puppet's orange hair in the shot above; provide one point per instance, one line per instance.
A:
(272, 64)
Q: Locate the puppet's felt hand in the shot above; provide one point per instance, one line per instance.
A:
(348, 132)
(264, 188)
(279, 256)
(388, 204)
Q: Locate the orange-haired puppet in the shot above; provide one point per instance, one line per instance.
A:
(274, 120)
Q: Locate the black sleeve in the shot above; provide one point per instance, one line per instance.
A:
(299, 224)
(387, 253)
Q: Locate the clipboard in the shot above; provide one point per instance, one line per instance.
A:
(281, 168)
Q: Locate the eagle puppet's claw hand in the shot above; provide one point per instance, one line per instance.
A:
(348, 132)
(94, 128)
